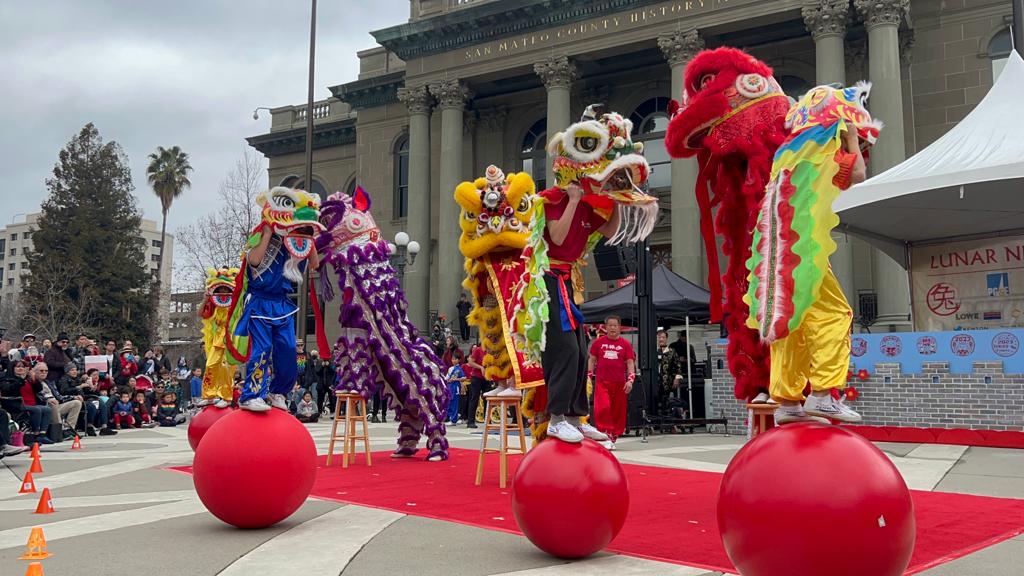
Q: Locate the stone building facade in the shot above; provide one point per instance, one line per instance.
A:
(467, 83)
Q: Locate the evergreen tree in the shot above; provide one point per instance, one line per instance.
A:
(88, 246)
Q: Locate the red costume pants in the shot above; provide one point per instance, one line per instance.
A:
(126, 419)
(610, 404)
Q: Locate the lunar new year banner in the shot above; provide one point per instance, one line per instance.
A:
(969, 285)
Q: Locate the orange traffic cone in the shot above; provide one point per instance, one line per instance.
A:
(36, 547)
(77, 444)
(37, 465)
(34, 569)
(35, 449)
(45, 503)
(28, 485)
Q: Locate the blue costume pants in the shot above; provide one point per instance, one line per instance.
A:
(272, 362)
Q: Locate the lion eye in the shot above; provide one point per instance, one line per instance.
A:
(586, 143)
(524, 205)
(284, 201)
(470, 216)
(705, 80)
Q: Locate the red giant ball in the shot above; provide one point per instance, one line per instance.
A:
(810, 499)
(202, 422)
(570, 500)
(253, 470)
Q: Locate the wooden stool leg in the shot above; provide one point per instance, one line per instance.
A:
(483, 452)
(503, 455)
(366, 434)
(334, 431)
(519, 425)
(348, 432)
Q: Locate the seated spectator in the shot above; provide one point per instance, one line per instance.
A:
(167, 413)
(306, 409)
(170, 385)
(123, 411)
(6, 448)
(454, 378)
(57, 357)
(97, 410)
(295, 397)
(141, 411)
(61, 407)
(128, 364)
(21, 384)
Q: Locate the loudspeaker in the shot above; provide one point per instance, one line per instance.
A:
(636, 404)
(614, 262)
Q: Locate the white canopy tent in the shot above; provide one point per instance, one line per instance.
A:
(969, 182)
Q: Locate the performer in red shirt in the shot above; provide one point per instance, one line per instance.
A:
(476, 383)
(612, 368)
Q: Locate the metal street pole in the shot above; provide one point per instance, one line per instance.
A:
(300, 325)
(1018, 26)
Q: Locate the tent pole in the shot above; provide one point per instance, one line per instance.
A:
(689, 379)
(910, 283)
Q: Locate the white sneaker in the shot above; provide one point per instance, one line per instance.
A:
(222, 403)
(771, 401)
(589, 431)
(565, 432)
(795, 413)
(255, 405)
(761, 398)
(204, 402)
(509, 392)
(825, 406)
(495, 392)
(610, 446)
(278, 401)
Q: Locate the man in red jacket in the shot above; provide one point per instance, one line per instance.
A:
(612, 369)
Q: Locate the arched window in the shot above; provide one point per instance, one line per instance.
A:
(650, 120)
(999, 50)
(318, 188)
(351, 188)
(533, 154)
(401, 162)
(793, 86)
(289, 182)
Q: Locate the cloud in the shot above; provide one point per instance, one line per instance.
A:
(151, 74)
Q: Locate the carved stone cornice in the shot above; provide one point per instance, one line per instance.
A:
(681, 46)
(556, 72)
(451, 94)
(882, 12)
(826, 17)
(493, 119)
(325, 135)
(417, 99)
(370, 92)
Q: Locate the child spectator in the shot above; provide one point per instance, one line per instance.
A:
(129, 363)
(123, 411)
(295, 397)
(167, 414)
(170, 385)
(196, 385)
(454, 378)
(141, 410)
(306, 409)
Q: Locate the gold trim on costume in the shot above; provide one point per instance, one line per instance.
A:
(507, 330)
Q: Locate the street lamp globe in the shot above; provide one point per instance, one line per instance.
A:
(402, 239)
(392, 248)
(414, 247)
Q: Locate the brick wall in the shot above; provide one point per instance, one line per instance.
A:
(986, 399)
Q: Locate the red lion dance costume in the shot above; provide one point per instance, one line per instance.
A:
(732, 117)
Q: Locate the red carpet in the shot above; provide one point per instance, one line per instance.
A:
(958, 436)
(672, 512)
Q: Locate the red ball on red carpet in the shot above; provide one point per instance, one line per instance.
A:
(570, 500)
(202, 422)
(253, 470)
(811, 499)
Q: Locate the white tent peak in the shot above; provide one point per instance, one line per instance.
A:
(987, 145)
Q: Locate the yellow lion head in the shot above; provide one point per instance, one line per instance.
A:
(495, 212)
(220, 284)
(294, 215)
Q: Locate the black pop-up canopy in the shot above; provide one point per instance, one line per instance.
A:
(675, 299)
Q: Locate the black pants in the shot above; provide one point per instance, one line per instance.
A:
(376, 405)
(477, 386)
(464, 328)
(564, 360)
(5, 428)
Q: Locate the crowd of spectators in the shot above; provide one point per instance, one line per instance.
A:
(61, 390)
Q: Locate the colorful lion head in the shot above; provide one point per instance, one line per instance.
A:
(294, 215)
(347, 220)
(220, 286)
(729, 98)
(598, 154)
(495, 212)
(825, 105)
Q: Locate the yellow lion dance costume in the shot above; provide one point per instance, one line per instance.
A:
(217, 378)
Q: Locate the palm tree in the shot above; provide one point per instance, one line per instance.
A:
(168, 177)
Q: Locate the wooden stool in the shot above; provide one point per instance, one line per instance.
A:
(355, 411)
(503, 404)
(761, 418)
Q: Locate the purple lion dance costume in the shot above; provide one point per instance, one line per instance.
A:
(378, 344)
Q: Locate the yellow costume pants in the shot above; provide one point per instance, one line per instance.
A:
(217, 379)
(818, 351)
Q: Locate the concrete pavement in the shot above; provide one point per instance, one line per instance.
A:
(119, 511)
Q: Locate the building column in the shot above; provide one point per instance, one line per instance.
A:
(826, 21)
(687, 245)
(451, 97)
(882, 19)
(417, 277)
(557, 73)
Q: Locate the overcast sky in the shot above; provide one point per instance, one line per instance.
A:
(155, 73)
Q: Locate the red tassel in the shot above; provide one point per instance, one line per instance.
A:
(707, 232)
(318, 318)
